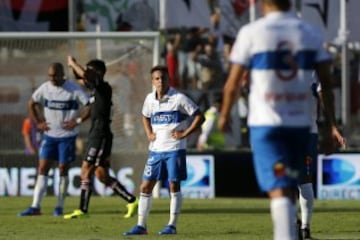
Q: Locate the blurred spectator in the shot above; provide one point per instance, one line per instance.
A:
(211, 138)
(32, 137)
(172, 64)
(139, 16)
(80, 16)
(211, 73)
(190, 45)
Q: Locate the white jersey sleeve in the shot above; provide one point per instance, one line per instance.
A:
(241, 50)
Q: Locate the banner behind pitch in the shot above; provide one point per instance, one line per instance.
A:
(339, 176)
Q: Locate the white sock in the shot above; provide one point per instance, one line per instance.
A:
(145, 202)
(39, 190)
(63, 184)
(283, 218)
(306, 202)
(175, 207)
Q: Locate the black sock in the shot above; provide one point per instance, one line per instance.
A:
(85, 196)
(122, 192)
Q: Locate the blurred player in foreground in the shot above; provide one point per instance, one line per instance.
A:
(165, 112)
(281, 52)
(97, 156)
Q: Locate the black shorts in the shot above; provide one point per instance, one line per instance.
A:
(98, 150)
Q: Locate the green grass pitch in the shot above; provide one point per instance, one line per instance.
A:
(220, 218)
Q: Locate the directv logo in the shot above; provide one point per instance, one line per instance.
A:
(339, 171)
(339, 177)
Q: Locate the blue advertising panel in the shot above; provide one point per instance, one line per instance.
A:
(339, 176)
(200, 181)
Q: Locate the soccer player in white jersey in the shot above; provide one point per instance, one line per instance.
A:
(61, 100)
(165, 113)
(280, 52)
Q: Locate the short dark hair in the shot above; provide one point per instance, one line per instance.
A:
(98, 65)
(283, 5)
(160, 68)
(58, 68)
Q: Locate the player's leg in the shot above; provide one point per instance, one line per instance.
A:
(154, 170)
(91, 159)
(63, 185)
(47, 151)
(67, 154)
(306, 191)
(145, 203)
(276, 159)
(102, 173)
(39, 190)
(87, 171)
(176, 166)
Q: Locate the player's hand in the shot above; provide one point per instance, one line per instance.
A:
(71, 61)
(151, 137)
(69, 125)
(33, 151)
(224, 124)
(340, 140)
(43, 126)
(177, 134)
(332, 140)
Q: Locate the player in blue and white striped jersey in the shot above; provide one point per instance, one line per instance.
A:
(61, 100)
(165, 113)
(280, 51)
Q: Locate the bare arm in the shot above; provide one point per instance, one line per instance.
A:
(36, 116)
(77, 68)
(148, 129)
(326, 96)
(231, 89)
(332, 134)
(195, 124)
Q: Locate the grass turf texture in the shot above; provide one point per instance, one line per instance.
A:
(221, 218)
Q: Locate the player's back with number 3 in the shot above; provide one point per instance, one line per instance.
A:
(284, 50)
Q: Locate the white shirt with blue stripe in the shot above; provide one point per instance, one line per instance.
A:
(61, 103)
(168, 114)
(281, 51)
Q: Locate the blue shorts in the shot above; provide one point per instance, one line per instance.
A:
(278, 153)
(163, 166)
(59, 149)
(309, 163)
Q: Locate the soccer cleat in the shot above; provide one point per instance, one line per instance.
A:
(137, 230)
(76, 214)
(131, 208)
(169, 229)
(305, 234)
(58, 211)
(31, 211)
